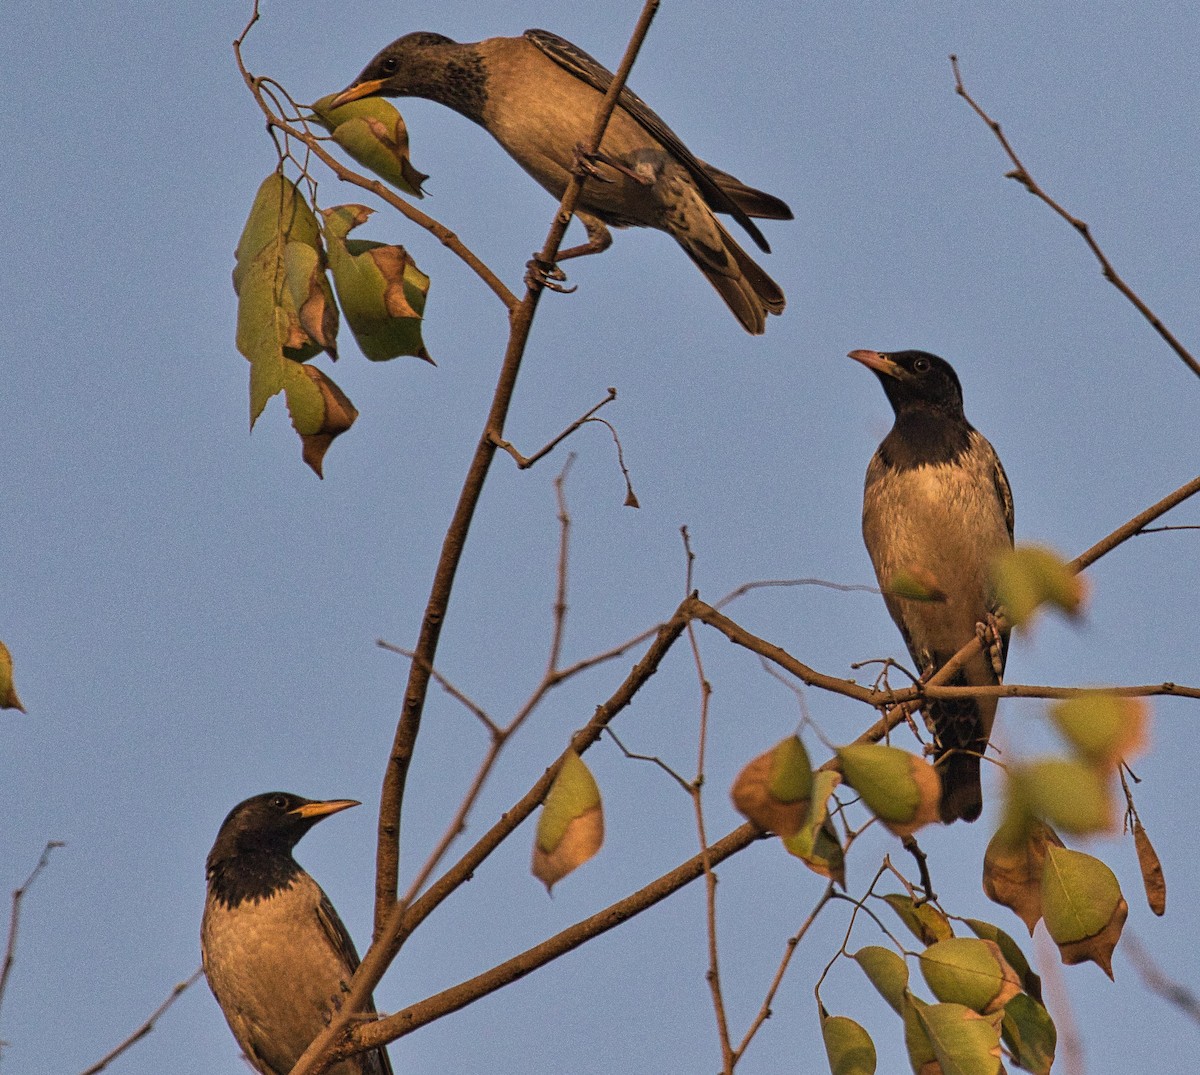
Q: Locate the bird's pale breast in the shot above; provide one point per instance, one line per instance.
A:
(277, 941)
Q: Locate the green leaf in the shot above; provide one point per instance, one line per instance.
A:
(373, 133)
(1071, 795)
(816, 842)
(887, 972)
(848, 1046)
(571, 827)
(381, 291)
(774, 789)
(964, 1042)
(1029, 1033)
(1101, 726)
(926, 922)
(1030, 982)
(899, 788)
(970, 971)
(1083, 907)
(1032, 575)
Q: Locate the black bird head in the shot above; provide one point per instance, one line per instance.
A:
(416, 65)
(915, 380)
(270, 824)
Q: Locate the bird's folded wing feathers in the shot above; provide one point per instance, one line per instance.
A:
(573, 59)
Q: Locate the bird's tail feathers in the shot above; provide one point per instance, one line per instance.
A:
(962, 792)
(752, 202)
(746, 288)
(961, 729)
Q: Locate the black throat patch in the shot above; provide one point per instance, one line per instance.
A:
(924, 437)
(251, 876)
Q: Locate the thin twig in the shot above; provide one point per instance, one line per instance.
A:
(524, 462)
(10, 949)
(142, 1031)
(403, 919)
(762, 584)
(1022, 175)
(793, 942)
(713, 974)
(460, 696)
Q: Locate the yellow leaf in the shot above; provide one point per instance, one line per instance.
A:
(381, 290)
(848, 1046)
(927, 923)
(774, 789)
(8, 692)
(1071, 795)
(372, 131)
(1032, 575)
(1083, 906)
(816, 843)
(887, 972)
(337, 415)
(970, 971)
(899, 788)
(571, 828)
(1102, 726)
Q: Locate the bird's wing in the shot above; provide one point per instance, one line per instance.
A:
(1004, 493)
(377, 1061)
(586, 68)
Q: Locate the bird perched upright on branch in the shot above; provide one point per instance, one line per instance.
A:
(937, 510)
(538, 95)
(275, 952)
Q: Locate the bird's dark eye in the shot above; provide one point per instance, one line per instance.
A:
(389, 65)
(921, 365)
(279, 802)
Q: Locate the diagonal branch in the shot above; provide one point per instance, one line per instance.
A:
(387, 863)
(1022, 175)
(403, 918)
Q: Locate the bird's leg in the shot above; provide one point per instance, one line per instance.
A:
(992, 642)
(599, 238)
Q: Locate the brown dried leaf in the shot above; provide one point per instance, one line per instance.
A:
(339, 416)
(774, 789)
(1012, 868)
(1151, 867)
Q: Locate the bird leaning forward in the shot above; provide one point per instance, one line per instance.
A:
(937, 510)
(275, 952)
(538, 95)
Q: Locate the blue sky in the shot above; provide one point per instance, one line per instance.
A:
(193, 615)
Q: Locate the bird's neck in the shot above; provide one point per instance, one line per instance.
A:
(251, 876)
(453, 75)
(925, 436)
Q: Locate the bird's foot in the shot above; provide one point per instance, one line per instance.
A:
(545, 274)
(992, 642)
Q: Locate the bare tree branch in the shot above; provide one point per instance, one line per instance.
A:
(10, 949)
(142, 1031)
(1022, 175)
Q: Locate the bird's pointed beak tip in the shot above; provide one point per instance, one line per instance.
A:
(873, 360)
(356, 92)
(324, 809)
